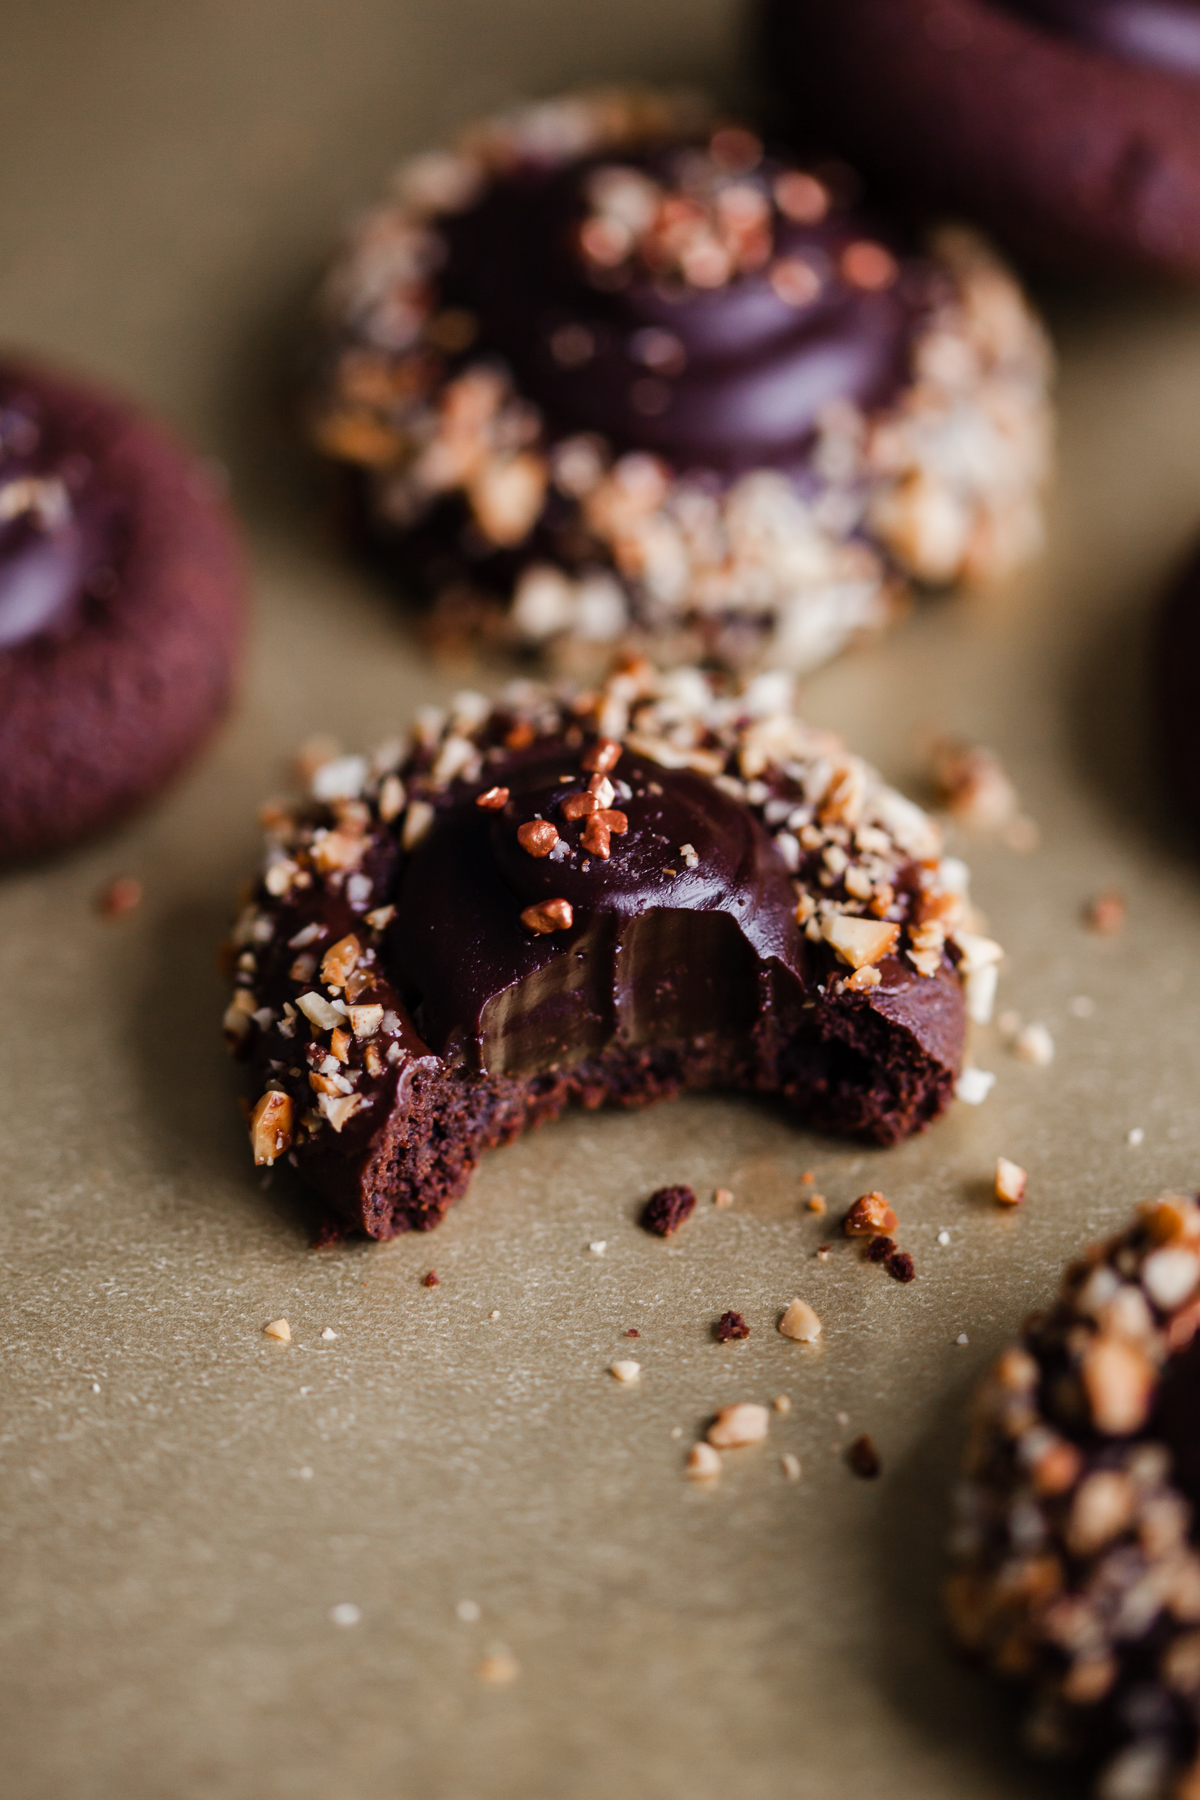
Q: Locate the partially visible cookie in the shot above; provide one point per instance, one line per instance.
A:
(1071, 128)
(1078, 1575)
(610, 373)
(121, 608)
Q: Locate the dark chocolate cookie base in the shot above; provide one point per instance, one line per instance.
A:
(1076, 157)
(97, 719)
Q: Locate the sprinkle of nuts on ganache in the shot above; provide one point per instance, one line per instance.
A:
(864, 1459)
(870, 1215)
(339, 961)
(537, 836)
(492, 799)
(603, 756)
(548, 915)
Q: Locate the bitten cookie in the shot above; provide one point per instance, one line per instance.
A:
(121, 606)
(1078, 1576)
(653, 887)
(609, 373)
(1071, 128)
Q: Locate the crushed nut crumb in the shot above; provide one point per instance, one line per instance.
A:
(280, 1330)
(1010, 1181)
(870, 1215)
(625, 1370)
(1106, 913)
(790, 1465)
(1034, 1045)
(703, 1463)
(800, 1322)
(723, 1197)
(739, 1425)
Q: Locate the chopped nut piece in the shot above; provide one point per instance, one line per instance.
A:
(381, 918)
(418, 821)
(338, 1111)
(817, 1204)
(723, 1197)
(739, 1425)
(859, 942)
(1010, 1181)
(667, 1209)
(549, 915)
(492, 799)
(801, 1323)
(328, 1335)
(271, 1127)
(703, 1463)
(972, 785)
(599, 828)
(392, 796)
(578, 806)
(869, 1215)
(731, 1328)
(280, 1330)
(339, 961)
(1034, 1045)
(782, 1403)
(625, 1370)
(604, 755)
(319, 1012)
(974, 1085)
(430, 1280)
(538, 837)
(602, 791)
(498, 1669)
(1106, 913)
(864, 1458)
(1119, 1380)
(790, 1465)
(372, 1061)
(339, 1045)
(365, 1021)
(1169, 1275)
(1103, 1506)
(119, 897)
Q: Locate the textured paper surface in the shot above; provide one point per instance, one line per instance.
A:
(172, 176)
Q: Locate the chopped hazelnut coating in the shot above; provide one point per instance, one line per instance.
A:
(537, 836)
(703, 1463)
(801, 1323)
(271, 1127)
(339, 961)
(739, 1425)
(859, 942)
(869, 1215)
(602, 756)
(492, 799)
(280, 1330)
(1010, 1181)
(548, 915)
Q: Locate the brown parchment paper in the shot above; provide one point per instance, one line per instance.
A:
(184, 1502)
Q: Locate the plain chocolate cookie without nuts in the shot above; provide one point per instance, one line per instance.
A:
(1071, 129)
(121, 609)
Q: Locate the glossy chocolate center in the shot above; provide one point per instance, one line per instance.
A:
(679, 932)
(60, 532)
(677, 307)
(1164, 34)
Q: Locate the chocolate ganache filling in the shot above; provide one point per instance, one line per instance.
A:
(686, 929)
(60, 531)
(673, 308)
(1164, 34)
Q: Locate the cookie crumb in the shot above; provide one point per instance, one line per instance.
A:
(801, 1323)
(879, 1249)
(625, 1370)
(119, 896)
(790, 1465)
(869, 1215)
(816, 1203)
(1106, 913)
(431, 1280)
(1010, 1182)
(723, 1197)
(782, 1403)
(328, 1335)
(864, 1458)
(731, 1328)
(900, 1267)
(739, 1425)
(702, 1463)
(498, 1669)
(1034, 1045)
(667, 1209)
(280, 1330)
